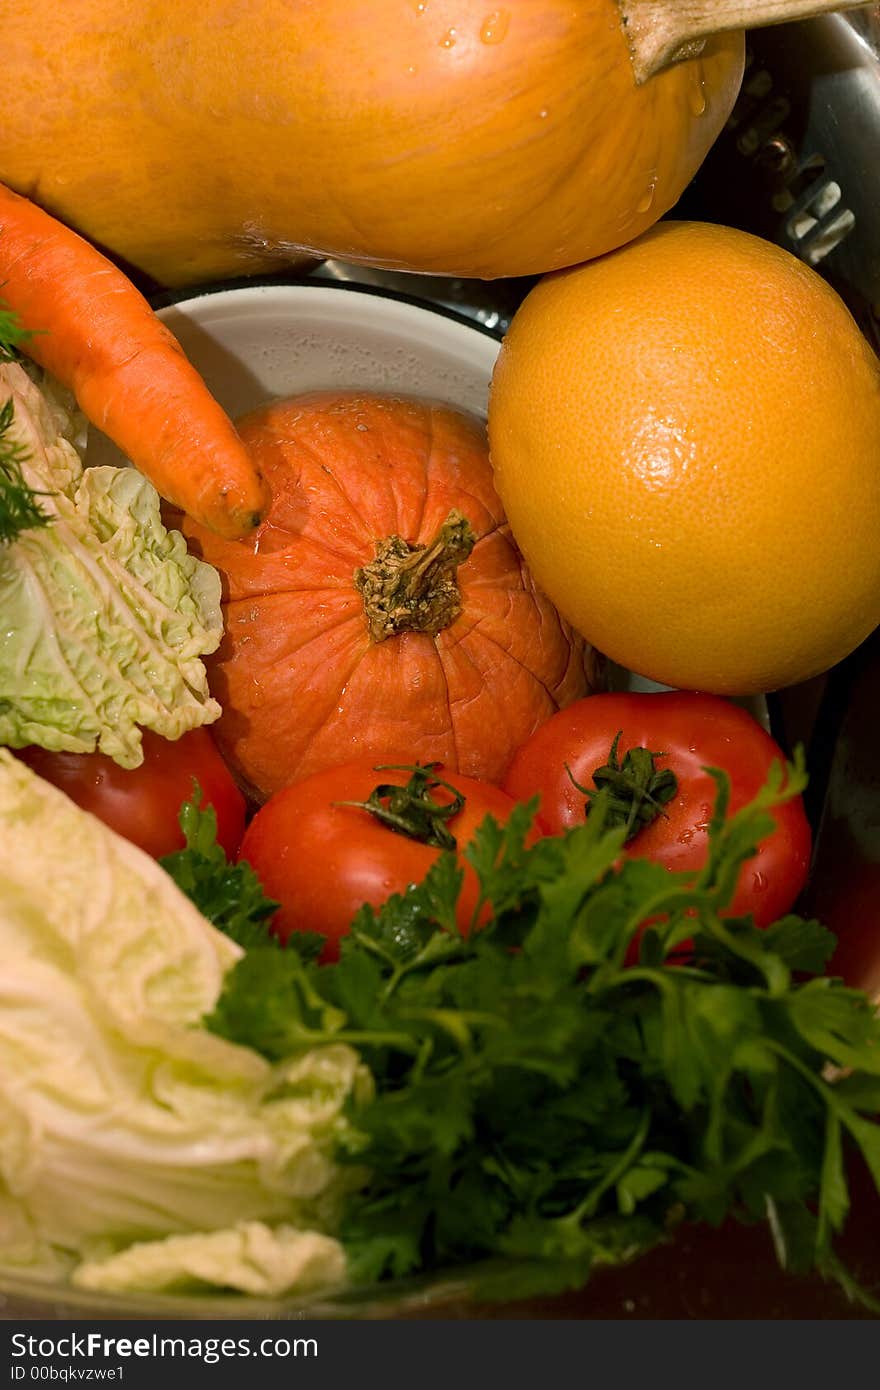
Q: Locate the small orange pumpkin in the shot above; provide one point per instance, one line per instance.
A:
(382, 604)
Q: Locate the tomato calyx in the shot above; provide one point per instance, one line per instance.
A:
(413, 588)
(412, 809)
(634, 791)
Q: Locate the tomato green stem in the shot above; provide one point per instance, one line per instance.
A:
(636, 791)
(412, 810)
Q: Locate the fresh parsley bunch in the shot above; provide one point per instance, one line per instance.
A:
(550, 1095)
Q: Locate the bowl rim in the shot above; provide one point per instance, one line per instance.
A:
(32, 1297)
(167, 299)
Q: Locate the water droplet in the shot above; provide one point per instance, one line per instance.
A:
(697, 96)
(448, 40)
(411, 70)
(647, 201)
(420, 6)
(495, 26)
(543, 113)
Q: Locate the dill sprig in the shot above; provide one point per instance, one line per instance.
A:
(11, 334)
(20, 509)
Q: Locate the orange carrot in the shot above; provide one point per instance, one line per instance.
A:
(98, 335)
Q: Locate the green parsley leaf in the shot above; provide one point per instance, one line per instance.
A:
(229, 895)
(804, 945)
(544, 1101)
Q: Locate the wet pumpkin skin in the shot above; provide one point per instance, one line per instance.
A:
(200, 141)
(303, 676)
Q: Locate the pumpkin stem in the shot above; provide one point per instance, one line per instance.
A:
(663, 32)
(636, 790)
(413, 588)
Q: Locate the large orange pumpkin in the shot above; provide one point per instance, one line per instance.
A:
(382, 605)
(467, 137)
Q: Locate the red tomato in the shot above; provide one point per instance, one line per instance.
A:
(143, 803)
(322, 860)
(690, 732)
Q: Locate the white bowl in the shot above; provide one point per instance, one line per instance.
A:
(254, 343)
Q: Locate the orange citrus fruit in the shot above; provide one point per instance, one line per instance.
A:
(686, 439)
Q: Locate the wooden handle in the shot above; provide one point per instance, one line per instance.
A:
(663, 32)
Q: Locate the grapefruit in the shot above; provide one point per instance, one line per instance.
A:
(686, 438)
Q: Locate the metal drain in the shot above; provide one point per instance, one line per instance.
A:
(816, 218)
(799, 160)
